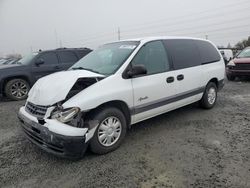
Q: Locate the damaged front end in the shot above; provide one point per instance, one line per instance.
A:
(81, 84)
(63, 132)
(56, 137)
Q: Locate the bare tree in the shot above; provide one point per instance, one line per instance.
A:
(243, 44)
(229, 45)
(14, 56)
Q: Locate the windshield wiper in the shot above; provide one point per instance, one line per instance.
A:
(81, 68)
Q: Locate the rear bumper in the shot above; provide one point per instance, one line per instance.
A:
(63, 146)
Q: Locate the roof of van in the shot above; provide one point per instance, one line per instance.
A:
(147, 39)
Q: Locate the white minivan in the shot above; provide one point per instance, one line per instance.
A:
(97, 100)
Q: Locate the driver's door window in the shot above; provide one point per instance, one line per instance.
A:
(49, 65)
(153, 56)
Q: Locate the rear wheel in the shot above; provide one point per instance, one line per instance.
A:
(209, 97)
(17, 89)
(110, 132)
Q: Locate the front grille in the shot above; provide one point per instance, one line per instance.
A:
(36, 110)
(242, 66)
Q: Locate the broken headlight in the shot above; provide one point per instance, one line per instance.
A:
(65, 115)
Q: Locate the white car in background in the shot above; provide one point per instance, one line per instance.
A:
(227, 54)
(119, 84)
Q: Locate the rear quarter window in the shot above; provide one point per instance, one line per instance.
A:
(208, 52)
(184, 53)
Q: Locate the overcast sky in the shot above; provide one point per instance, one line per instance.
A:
(29, 25)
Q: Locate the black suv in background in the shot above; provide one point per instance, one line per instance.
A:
(16, 79)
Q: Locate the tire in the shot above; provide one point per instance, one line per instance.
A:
(103, 116)
(230, 77)
(209, 97)
(17, 89)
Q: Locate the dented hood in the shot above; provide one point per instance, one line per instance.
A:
(55, 87)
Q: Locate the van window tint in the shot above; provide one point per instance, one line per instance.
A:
(184, 53)
(153, 56)
(67, 57)
(208, 52)
(49, 58)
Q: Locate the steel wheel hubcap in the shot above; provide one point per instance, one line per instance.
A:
(19, 89)
(109, 131)
(211, 95)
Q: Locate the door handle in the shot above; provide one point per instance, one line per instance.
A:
(56, 67)
(170, 79)
(180, 77)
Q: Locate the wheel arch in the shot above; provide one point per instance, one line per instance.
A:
(121, 105)
(214, 80)
(7, 79)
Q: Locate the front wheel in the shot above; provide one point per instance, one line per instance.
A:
(17, 89)
(110, 132)
(209, 97)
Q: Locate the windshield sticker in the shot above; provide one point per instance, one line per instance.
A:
(131, 47)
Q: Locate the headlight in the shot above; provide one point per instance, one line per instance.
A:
(231, 63)
(65, 115)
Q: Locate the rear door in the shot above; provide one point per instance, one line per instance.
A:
(187, 64)
(67, 59)
(153, 92)
(50, 64)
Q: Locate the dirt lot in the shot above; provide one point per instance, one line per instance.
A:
(189, 147)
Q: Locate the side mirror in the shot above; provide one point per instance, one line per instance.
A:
(136, 70)
(39, 62)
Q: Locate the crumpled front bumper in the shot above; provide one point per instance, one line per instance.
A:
(68, 146)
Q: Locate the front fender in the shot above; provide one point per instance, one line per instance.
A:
(109, 89)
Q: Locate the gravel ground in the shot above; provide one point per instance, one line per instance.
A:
(189, 147)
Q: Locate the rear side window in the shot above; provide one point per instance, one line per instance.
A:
(208, 52)
(184, 53)
(67, 57)
(49, 58)
(153, 56)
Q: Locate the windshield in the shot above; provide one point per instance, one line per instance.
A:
(244, 53)
(27, 59)
(107, 59)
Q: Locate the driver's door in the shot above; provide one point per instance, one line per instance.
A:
(153, 91)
